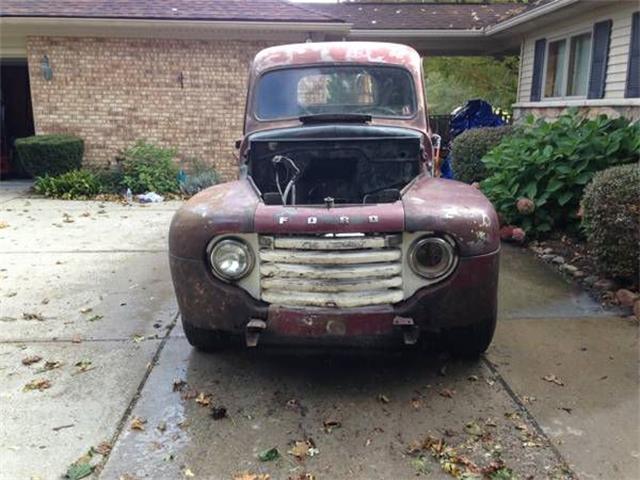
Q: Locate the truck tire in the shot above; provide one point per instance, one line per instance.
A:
(472, 341)
(206, 340)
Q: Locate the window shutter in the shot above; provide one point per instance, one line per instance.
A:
(599, 59)
(538, 67)
(633, 67)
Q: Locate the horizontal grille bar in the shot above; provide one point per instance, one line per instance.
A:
(335, 243)
(331, 285)
(288, 270)
(349, 257)
(341, 300)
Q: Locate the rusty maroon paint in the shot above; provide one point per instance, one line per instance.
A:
(464, 302)
(455, 208)
(384, 217)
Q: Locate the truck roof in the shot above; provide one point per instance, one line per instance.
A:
(313, 53)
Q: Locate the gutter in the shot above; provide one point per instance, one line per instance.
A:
(528, 16)
(417, 33)
(115, 23)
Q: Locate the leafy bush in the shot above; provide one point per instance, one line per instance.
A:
(549, 163)
(611, 220)
(199, 177)
(70, 185)
(470, 146)
(50, 154)
(149, 168)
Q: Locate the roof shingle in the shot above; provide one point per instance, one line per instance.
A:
(224, 10)
(420, 16)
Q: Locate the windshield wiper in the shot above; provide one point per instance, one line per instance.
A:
(336, 117)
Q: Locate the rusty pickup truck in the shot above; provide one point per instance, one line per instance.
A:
(338, 230)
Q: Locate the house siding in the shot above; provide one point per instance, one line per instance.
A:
(620, 14)
(186, 94)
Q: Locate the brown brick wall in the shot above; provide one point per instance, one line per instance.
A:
(113, 91)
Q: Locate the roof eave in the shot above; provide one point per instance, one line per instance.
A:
(287, 25)
(527, 16)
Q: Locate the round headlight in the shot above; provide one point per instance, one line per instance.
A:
(432, 257)
(230, 259)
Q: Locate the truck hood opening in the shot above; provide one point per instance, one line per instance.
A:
(336, 164)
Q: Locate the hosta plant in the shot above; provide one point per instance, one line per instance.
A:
(549, 163)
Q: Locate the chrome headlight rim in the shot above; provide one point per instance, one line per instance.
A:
(215, 244)
(448, 247)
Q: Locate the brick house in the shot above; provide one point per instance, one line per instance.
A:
(175, 72)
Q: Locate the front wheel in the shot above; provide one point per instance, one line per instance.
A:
(206, 340)
(471, 341)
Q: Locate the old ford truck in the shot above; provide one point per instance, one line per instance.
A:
(338, 231)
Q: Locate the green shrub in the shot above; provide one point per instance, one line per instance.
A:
(611, 220)
(470, 146)
(199, 176)
(550, 163)
(70, 185)
(50, 154)
(149, 168)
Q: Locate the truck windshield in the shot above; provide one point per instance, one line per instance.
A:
(370, 90)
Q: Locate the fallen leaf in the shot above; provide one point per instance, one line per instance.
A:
(218, 413)
(137, 338)
(204, 399)
(37, 384)
(330, 424)
(30, 360)
(3, 224)
(383, 398)
(44, 301)
(85, 214)
(553, 379)
(138, 423)
(83, 365)
(86, 310)
(11, 294)
(50, 365)
(189, 394)
(95, 318)
(32, 316)
(251, 476)
(472, 428)
(188, 473)
(78, 470)
(103, 448)
(304, 448)
(178, 385)
(76, 339)
(447, 393)
(269, 455)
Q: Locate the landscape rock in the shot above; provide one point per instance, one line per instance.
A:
(558, 260)
(590, 280)
(547, 251)
(605, 284)
(626, 297)
(569, 268)
(547, 257)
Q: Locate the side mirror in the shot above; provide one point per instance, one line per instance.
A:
(238, 142)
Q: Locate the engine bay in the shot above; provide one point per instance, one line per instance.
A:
(289, 169)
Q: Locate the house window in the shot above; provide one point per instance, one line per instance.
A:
(567, 69)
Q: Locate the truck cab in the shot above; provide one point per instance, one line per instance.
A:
(337, 231)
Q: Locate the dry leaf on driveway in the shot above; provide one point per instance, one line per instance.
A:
(553, 379)
(251, 476)
(37, 384)
(447, 393)
(138, 423)
(30, 360)
(204, 399)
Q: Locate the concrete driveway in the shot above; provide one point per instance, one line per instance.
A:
(86, 285)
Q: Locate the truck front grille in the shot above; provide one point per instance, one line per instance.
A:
(338, 271)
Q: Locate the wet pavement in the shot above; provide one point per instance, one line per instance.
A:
(95, 286)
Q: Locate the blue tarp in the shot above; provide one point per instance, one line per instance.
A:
(474, 114)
